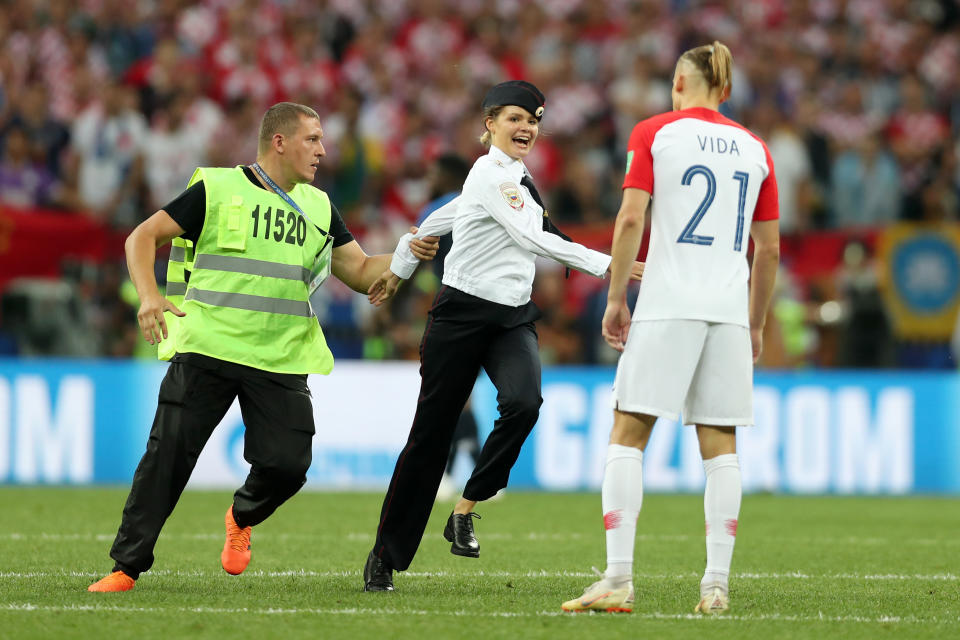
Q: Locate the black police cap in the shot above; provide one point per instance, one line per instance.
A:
(518, 93)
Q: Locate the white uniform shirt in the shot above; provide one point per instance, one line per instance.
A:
(497, 235)
(709, 178)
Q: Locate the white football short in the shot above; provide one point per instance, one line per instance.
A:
(700, 370)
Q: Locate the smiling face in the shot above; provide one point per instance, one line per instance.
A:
(514, 131)
(302, 150)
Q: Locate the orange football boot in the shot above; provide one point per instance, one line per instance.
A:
(116, 581)
(236, 548)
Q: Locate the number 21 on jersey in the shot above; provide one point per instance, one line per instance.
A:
(688, 235)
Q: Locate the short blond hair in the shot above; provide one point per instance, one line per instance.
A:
(282, 118)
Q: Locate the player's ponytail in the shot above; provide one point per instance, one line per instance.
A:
(721, 63)
(715, 62)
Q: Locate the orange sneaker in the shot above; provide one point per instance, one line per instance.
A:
(116, 581)
(236, 548)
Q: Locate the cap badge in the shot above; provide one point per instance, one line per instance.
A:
(539, 112)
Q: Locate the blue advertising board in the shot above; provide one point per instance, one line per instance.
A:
(815, 432)
(86, 422)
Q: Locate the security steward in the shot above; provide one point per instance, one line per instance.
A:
(482, 317)
(250, 246)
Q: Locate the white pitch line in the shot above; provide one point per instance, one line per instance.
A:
(358, 536)
(302, 573)
(106, 537)
(767, 617)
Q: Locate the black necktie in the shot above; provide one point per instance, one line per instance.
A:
(548, 225)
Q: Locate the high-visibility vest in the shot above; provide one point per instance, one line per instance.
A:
(244, 285)
(178, 265)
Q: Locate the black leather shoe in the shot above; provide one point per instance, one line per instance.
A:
(377, 574)
(459, 531)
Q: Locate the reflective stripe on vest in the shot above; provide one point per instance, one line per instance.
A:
(236, 264)
(176, 289)
(249, 302)
(178, 269)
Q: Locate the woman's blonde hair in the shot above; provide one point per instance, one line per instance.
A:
(490, 112)
(714, 62)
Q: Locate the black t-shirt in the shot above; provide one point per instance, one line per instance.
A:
(189, 210)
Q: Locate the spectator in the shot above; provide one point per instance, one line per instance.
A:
(232, 143)
(108, 144)
(649, 30)
(156, 76)
(73, 80)
(938, 203)
(23, 182)
(880, 87)
(240, 68)
(61, 47)
(865, 186)
(357, 159)
(490, 55)
(846, 124)
(818, 150)
(48, 137)
(791, 158)
(309, 75)
(578, 101)
(171, 151)
(637, 96)
(433, 33)
(448, 97)
(917, 136)
(203, 116)
(124, 34)
(866, 332)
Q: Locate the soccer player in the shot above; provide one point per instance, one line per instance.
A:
(697, 328)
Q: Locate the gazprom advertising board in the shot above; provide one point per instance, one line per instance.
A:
(83, 422)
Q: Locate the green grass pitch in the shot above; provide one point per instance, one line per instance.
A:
(804, 567)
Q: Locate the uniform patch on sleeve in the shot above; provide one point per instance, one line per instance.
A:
(629, 161)
(511, 193)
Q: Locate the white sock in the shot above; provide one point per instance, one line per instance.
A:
(622, 496)
(721, 510)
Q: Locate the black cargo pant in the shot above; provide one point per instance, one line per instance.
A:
(463, 333)
(194, 396)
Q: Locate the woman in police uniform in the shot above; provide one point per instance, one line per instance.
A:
(482, 317)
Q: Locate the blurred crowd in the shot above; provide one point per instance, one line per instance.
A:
(107, 106)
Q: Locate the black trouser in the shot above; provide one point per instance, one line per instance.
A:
(463, 334)
(194, 396)
(465, 431)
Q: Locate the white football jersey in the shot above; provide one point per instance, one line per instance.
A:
(709, 178)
